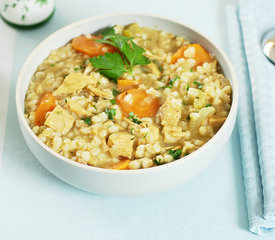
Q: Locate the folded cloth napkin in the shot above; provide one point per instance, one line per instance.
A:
(247, 22)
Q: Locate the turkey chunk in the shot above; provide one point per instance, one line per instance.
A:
(74, 82)
(121, 144)
(172, 134)
(59, 120)
(78, 109)
(97, 92)
(170, 111)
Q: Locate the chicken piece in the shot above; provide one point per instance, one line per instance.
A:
(216, 123)
(74, 82)
(172, 134)
(97, 92)
(170, 111)
(160, 56)
(152, 68)
(149, 134)
(59, 120)
(121, 144)
(78, 109)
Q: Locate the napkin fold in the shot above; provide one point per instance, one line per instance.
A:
(247, 23)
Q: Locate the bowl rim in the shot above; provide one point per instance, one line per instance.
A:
(20, 113)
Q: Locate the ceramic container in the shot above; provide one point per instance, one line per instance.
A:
(124, 182)
(26, 12)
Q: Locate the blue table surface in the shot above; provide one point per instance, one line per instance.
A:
(34, 204)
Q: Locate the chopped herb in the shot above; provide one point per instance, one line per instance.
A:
(113, 101)
(108, 31)
(191, 69)
(115, 92)
(161, 68)
(187, 87)
(66, 100)
(59, 112)
(52, 65)
(198, 84)
(87, 120)
(110, 112)
(175, 153)
(145, 135)
(208, 105)
(170, 83)
(134, 118)
(14, 5)
(183, 103)
(109, 126)
(187, 153)
(157, 161)
(113, 65)
(131, 131)
(95, 107)
(78, 68)
(162, 77)
(188, 117)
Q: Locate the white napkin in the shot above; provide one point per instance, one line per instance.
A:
(246, 24)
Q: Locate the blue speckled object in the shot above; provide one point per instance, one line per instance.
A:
(247, 23)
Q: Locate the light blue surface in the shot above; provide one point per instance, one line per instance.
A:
(36, 205)
(255, 114)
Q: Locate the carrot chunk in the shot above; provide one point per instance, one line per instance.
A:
(138, 102)
(127, 84)
(90, 46)
(47, 103)
(200, 55)
(122, 165)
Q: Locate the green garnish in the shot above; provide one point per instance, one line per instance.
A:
(78, 68)
(145, 135)
(161, 68)
(110, 112)
(157, 161)
(113, 65)
(198, 84)
(108, 31)
(161, 79)
(183, 103)
(95, 107)
(66, 100)
(87, 120)
(52, 65)
(208, 105)
(134, 118)
(191, 69)
(187, 153)
(115, 92)
(131, 131)
(188, 117)
(113, 101)
(170, 83)
(187, 87)
(175, 153)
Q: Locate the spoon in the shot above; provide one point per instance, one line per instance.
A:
(268, 45)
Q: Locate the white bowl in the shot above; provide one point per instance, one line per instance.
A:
(119, 182)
